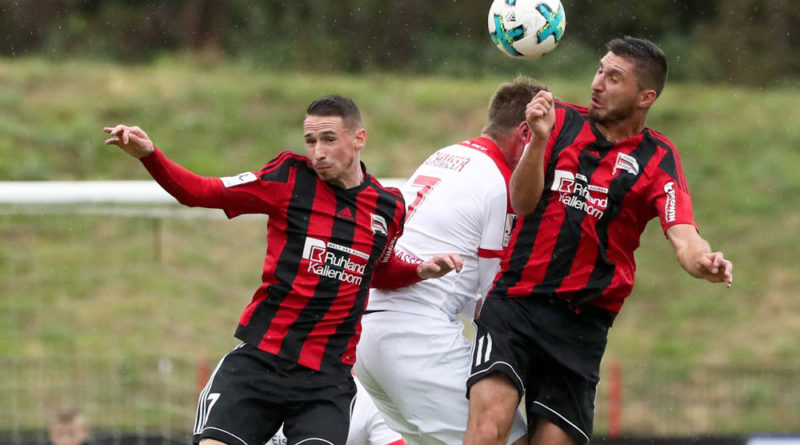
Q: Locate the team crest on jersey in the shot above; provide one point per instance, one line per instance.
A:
(241, 178)
(627, 163)
(379, 225)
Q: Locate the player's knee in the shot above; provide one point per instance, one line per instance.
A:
(489, 426)
(493, 402)
(485, 432)
(492, 424)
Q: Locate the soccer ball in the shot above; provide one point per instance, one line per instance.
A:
(526, 29)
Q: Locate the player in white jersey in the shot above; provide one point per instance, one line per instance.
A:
(367, 426)
(412, 357)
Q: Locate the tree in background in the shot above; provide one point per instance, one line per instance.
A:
(745, 41)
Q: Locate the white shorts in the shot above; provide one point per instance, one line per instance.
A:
(416, 368)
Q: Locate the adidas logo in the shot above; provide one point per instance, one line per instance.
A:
(345, 213)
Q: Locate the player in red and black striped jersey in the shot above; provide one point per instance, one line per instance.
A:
(585, 188)
(331, 230)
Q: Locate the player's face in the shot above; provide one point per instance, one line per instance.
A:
(73, 432)
(615, 90)
(334, 149)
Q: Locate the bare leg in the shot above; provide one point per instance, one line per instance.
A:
(521, 441)
(548, 433)
(492, 404)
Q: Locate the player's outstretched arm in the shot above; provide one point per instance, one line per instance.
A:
(187, 187)
(440, 265)
(399, 272)
(133, 140)
(695, 255)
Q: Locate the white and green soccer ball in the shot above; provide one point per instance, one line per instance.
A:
(526, 29)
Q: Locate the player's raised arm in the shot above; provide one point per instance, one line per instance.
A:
(527, 181)
(133, 140)
(695, 255)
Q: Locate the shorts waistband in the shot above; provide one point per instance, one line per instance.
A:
(569, 305)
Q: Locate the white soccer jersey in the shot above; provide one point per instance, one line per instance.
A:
(367, 426)
(412, 357)
(464, 191)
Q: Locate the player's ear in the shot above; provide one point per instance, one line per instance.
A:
(647, 98)
(525, 131)
(360, 139)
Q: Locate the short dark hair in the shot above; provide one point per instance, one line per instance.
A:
(67, 415)
(336, 105)
(650, 63)
(507, 105)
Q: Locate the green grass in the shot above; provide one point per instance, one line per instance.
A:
(131, 291)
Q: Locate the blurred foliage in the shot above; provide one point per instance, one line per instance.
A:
(737, 41)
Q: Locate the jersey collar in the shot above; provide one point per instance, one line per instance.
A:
(488, 146)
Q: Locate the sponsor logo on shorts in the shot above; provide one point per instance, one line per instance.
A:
(575, 191)
(332, 260)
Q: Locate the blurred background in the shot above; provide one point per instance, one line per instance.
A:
(119, 308)
(733, 41)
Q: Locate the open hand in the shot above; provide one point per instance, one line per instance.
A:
(440, 265)
(133, 140)
(715, 268)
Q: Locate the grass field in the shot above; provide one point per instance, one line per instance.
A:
(134, 291)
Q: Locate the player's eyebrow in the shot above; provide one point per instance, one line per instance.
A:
(612, 69)
(617, 69)
(321, 133)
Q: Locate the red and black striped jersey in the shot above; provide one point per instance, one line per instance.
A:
(323, 244)
(598, 196)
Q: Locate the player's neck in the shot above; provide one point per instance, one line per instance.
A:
(353, 177)
(505, 146)
(621, 130)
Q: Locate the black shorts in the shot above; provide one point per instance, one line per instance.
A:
(252, 393)
(551, 352)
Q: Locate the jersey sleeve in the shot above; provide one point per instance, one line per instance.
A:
(669, 193)
(395, 229)
(399, 271)
(395, 268)
(236, 195)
